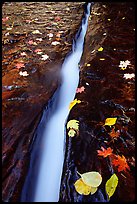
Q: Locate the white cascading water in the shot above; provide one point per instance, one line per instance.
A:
(53, 142)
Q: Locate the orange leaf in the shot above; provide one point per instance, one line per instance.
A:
(105, 152)
(114, 134)
(121, 162)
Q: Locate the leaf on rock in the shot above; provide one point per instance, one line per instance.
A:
(111, 185)
(73, 124)
(71, 133)
(110, 121)
(44, 57)
(92, 178)
(23, 73)
(80, 90)
(19, 65)
(100, 49)
(36, 32)
(82, 188)
(55, 43)
(23, 54)
(114, 134)
(129, 76)
(31, 42)
(5, 19)
(121, 163)
(73, 103)
(105, 152)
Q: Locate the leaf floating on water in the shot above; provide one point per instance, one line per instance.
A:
(121, 162)
(80, 90)
(71, 133)
(92, 178)
(73, 103)
(73, 124)
(105, 152)
(110, 121)
(100, 49)
(111, 185)
(82, 188)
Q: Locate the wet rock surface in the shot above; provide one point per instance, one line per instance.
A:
(109, 92)
(36, 36)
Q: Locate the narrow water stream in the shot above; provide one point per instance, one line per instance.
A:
(50, 138)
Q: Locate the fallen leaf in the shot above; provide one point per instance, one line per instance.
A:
(71, 133)
(80, 90)
(129, 76)
(124, 64)
(73, 103)
(58, 35)
(109, 19)
(39, 39)
(37, 50)
(45, 57)
(100, 49)
(36, 32)
(23, 54)
(23, 73)
(111, 185)
(105, 152)
(28, 21)
(92, 178)
(19, 65)
(102, 59)
(57, 18)
(110, 121)
(114, 134)
(31, 42)
(50, 35)
(88, 65)
(9, 28)
(6, 34)
(73, 124)
(121, 163)
(82, 188)
(5, 19)
(55, 43)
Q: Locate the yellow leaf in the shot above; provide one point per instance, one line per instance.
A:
(102, 59)
(92, 178)
(73, 124)
(110, 121)
(71, 133)
(88, 65)
(100, 49)
(82, 188)
(111, 185)
(93, 190)
(73, 103)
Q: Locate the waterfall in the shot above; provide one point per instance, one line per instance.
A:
(52, 142)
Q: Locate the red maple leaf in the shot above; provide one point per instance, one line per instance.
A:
(121, 162)
(19, 65)
(105, 152)
(80, 90)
